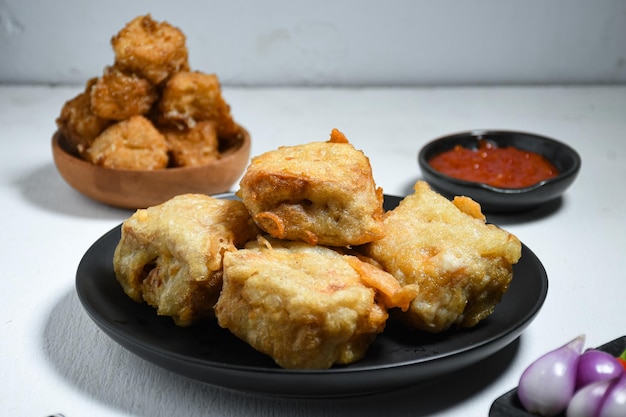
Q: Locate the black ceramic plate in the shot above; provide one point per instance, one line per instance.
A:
(208, 353)
(508, 405)
(494, 199)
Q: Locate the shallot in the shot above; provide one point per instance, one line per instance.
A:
(547, 385)
(588, 399)
(596, 365)
(606, 398)
(614, 401)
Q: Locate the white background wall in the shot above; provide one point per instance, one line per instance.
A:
(332, 42)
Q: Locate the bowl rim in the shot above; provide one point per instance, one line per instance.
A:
(229, 153)
(453, 137)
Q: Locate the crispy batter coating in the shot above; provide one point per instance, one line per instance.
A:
(389, 291)
(194, 146)
(463, 266)
(303, 305)
(78, 123)
(170, 255)
(130, 144)
(153, 50)
(191, 97)
(320, 193)
(118, 95)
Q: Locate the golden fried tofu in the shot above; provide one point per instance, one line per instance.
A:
(192, 97)
(133, 144)
(170, 255)
(320, 193)
(117, 95)
(303, 305)
(78, 123)
(192, 146)
(153, 50)
(462, 265)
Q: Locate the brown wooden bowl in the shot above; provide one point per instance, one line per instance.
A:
(145, 188)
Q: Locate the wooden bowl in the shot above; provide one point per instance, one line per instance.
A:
(140, 189)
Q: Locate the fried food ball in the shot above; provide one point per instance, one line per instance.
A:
(320, 193)
(170, 255)
(194, 146)
(191, 97)
(117, 95)
(303, 305)
(153, 50)
(78, 123)
(130, 144)
(462, 265)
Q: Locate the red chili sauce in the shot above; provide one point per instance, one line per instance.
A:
(506, 167)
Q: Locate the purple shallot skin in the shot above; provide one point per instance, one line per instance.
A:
(614, 401)
(588, 399)
(596, 365)
(548, 384)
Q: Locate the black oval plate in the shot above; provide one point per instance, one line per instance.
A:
(207, 353)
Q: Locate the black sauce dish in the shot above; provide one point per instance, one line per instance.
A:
(503, 200)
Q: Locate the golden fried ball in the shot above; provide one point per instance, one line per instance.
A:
(194, 146)
(192, 97)
(153, 50)
(117, 95)
(130, 144)
(78, 123)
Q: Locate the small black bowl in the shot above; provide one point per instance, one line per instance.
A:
(495, 199)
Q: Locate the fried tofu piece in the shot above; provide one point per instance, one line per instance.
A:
(153, 50)
(462, 265)
(320, 193)
(117, 95)
(303, 305)
(192, 97)
(195, 146)
(170, 255)
(78, 123)
(133, 144)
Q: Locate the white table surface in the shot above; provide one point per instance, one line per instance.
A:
(53, 358)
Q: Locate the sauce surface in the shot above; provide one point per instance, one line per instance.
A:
(506, 167)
